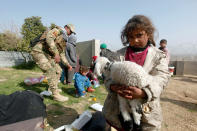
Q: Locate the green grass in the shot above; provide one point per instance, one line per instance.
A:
(31, 65)
(12, 79)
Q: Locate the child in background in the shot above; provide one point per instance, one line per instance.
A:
(93, 63)
(93, 79)
(82, 82)
(162, 47)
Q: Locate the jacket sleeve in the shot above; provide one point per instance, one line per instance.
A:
(160, 77)
(63, 59)
(72, 39)
(65, 36)
(50, 39)
(72, 54)
(79, 83)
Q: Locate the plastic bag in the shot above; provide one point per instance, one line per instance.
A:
(96, 83)
(32, 81)
(46, 93)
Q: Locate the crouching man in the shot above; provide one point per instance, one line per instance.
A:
(47, 52)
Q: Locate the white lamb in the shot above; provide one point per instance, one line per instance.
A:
(129, 74)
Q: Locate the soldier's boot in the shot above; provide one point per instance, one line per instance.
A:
(59, 90)
(58, 97)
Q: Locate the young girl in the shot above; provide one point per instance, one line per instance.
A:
(82, 82)
(138, 34)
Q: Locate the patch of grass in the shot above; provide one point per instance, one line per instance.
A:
(86, 107)
(13, 80)
(31, 65)
(57, 105)
(100, 94)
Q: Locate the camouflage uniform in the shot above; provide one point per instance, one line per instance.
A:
(51, 43)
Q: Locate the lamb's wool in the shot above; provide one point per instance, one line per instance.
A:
(129, 74)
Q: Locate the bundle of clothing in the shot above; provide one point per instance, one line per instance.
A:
(21, 106)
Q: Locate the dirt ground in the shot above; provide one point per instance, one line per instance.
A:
(179, 104)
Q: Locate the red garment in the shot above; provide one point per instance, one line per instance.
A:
(137, 57)
(94, 58)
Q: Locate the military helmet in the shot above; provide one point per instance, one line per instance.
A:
(71, 27)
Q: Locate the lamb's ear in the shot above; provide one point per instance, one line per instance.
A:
(97, 69)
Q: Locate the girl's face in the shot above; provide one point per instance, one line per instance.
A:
(138, 38)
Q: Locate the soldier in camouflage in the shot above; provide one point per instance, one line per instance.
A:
(47, 53)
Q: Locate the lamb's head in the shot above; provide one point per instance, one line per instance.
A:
(100, 65)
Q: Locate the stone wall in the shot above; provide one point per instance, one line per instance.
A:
(85, 50)
(184, 67)
(12, 58)
(190, 67)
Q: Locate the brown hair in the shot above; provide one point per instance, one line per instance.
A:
(83, 69)
(138, 22)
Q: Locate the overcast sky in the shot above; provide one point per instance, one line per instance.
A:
(175, 20)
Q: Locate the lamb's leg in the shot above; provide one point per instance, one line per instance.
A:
(126, 125)
(125, 118)
(123, 105)
(135, 108)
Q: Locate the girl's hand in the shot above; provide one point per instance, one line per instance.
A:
(128, 92)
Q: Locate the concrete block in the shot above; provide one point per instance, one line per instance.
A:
(87, 49)
(190, 67)
(179, 68)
